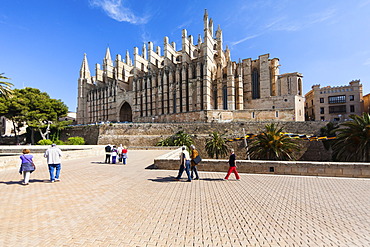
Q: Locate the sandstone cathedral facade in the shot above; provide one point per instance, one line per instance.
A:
(197, 83)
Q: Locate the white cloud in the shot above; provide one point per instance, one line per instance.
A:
(185, 24)
(322, 17)
(115, 10)
(243, 40)
(364, 3)
(284, 24)
(367, 62)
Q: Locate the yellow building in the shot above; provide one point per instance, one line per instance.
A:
(334, 103)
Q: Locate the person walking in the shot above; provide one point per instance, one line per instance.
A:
(124, 155)
(53, 155)
(108, 152)
(27, 166)
(119, 151)
(114, 154)
(194, 162)
(184, 164)
(232, 164)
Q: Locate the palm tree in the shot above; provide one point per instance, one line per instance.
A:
(182, 139)
(216, 146)
(353, 139)
(5, 87)
(273, 145)
(179, 139)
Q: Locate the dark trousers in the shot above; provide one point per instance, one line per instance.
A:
(107, 158)
(194, 170)
(114, 158)
(187, 170)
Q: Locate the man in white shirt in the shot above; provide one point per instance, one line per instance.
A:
(53, 155)
(184, 164)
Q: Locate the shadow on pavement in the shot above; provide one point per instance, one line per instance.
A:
(152, 166)
(19, 182)
(103, 163)
(212, 179)
(164, 179)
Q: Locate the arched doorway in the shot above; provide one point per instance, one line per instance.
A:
(125, 114)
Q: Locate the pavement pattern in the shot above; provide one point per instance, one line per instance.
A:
(98, 204)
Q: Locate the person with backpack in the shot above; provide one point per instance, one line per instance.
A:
(195, 159)
(108, 152)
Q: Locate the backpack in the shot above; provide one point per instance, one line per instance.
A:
(108, 149)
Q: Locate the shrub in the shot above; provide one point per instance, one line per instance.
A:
(44, 142)
(59, 142)
(77, 140)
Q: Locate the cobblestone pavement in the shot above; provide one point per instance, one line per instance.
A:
(99, 204)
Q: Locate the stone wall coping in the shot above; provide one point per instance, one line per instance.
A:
(174, 155)
(170, 161)
(70, 152)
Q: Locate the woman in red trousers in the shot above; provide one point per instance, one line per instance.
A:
(232, 168)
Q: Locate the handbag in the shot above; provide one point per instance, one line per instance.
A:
(197, 159)
(34, 167)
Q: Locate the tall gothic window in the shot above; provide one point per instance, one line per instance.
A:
(224, 97)
(215, 98)
(180, 88)
(174, 102)
(255, 84)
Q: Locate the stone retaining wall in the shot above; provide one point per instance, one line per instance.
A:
(148, 134)
(170, 161)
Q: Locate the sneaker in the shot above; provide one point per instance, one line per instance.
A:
(188, 180)
(52, 181)
(196, 178)
(225, 179)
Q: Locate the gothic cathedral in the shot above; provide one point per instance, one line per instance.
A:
(198, 83)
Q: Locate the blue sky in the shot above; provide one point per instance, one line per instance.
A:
(43, 41)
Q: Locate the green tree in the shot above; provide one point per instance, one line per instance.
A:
(33, 107)
(216, 146)
(353, 139)
(5, 87)
(272, 144)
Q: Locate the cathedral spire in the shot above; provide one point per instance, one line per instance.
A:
(219, 33)
(128, 59)
(85, 71)
(107, 58)
(205, 19)
(199, 39)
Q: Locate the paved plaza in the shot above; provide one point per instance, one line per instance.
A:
(98, 204)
